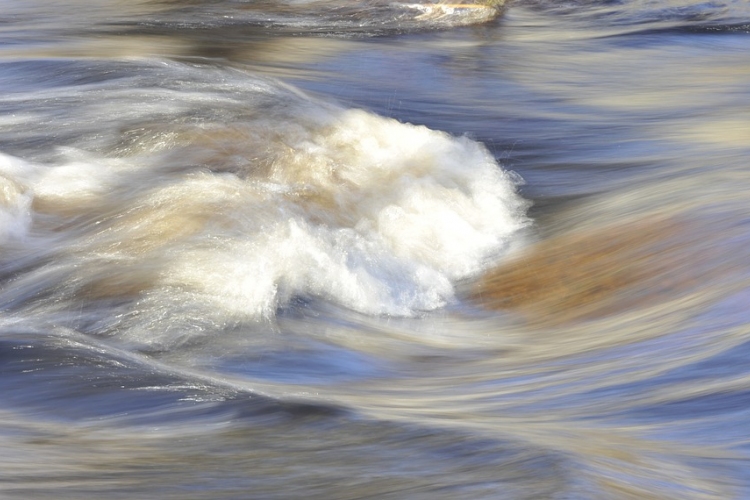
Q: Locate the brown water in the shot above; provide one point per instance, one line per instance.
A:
(348, 250)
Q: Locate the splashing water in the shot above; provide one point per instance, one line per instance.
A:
(374, 249)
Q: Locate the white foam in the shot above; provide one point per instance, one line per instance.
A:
(15, 199)
(372, 214)
(77, 179)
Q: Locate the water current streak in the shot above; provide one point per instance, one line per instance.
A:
(374, 249)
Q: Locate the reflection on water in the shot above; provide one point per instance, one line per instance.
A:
(374, 249)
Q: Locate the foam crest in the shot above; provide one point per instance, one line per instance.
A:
(15, 200)
(425, 195)
(309, 200)
(371, 213)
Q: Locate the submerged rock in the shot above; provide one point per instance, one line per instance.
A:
(594, 272)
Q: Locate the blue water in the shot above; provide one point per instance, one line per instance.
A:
(243, 248)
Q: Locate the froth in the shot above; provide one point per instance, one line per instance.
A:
(15, 200)
(375, 215)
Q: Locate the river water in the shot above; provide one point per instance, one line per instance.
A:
(363, 249)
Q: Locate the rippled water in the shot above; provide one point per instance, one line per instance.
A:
(339, 250)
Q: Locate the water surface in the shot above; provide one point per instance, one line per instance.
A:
(373, 250)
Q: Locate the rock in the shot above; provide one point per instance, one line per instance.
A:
(592, 273)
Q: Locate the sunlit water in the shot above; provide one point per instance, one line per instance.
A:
(339, 250)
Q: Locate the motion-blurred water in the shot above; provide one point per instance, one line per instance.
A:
(339, 250)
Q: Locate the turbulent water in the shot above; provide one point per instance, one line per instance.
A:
(371, 249)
